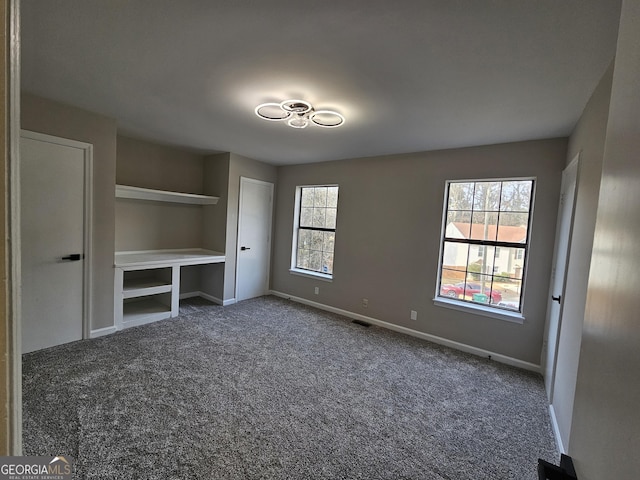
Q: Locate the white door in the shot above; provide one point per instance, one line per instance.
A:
(561, 259)
(53, 211)
(254, 238)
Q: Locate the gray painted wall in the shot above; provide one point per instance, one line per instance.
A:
(588, 140)
(605, 435)
(46, 116)
(142, 225)
(388, 238)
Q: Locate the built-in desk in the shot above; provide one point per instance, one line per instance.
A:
(147, 283)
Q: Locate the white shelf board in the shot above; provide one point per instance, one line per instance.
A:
(141, 287)
(140, 312)
(140, 260)
(139, 193)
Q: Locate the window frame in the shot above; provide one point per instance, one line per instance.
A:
(489, 310)
(294, 269)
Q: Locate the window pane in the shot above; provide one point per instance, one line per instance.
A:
(516, 196)
(320, 197)
(304, 239)
(317, 239)
(315, 260)
(328, 241)
(460, 196)
(332, 197)
(302, 260)
(319, 217)
(484, 226)
(513, 227)
(458, 224)
(510, 290)
(306, 217)
(455, 256)
(330, 219)
(307, 197)
(487, 196)
(450, 283)
(327, 263)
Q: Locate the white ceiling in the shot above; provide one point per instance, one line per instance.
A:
(408, 75)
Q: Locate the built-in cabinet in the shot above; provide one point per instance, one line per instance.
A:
(147, 282)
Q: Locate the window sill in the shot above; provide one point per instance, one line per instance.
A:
(514, 317)
(309, 274)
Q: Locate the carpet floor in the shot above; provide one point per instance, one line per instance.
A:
(271, 389)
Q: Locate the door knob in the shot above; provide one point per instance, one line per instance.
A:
(74, 257)
(557, 299)
(245, 248)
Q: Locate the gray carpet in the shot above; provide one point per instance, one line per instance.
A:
(270, 389)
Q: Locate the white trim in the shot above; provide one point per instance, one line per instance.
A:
(556, 430)
(270, 186)
(87, 150)
(206, 296)
(514, 362)
(14, 311)
(101, 332)
(139, 193)
(496, 313)
(311, 274)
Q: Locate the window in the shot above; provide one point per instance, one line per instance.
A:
(315, 230)
(485, 239)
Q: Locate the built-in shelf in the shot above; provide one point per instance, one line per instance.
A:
(140, 287)
(138, 193)
(148, 310)
(147, 283)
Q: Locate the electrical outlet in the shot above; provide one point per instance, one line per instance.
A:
(365, 302)
(414, 315)
(317, 290)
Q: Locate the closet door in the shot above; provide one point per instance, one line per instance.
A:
(53, 197)
(254, 238)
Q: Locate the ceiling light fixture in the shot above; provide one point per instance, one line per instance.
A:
(299, 114)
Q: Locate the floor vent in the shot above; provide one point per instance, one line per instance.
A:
(360, 322)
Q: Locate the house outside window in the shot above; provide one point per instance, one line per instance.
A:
(315, 230)
(485, 239)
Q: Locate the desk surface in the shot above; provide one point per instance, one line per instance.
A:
(167, 258)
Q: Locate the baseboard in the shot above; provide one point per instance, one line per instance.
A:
(206, 296)
(101, 332)
(415, 333)
(556, 430)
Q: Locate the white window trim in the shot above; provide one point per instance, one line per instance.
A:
(485, 311)
(327, 277)
(491, 312)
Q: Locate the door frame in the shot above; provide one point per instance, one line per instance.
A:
(87, 150)
(550, 382)
(243, 182)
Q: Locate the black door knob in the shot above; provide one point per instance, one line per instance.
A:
(74, 257)
(245, 248)
(557, 299)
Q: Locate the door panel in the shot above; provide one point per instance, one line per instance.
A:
(52, 227)
(254, 238)
(559, 270)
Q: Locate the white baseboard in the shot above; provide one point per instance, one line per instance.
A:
(100, 332)
(206, 296)
(556, 430)
(414, 333)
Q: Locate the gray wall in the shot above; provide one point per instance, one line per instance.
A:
(605, 435)
(46, 116)
(588, 140)
(216, 182)
(142, 225)
(388, 238)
